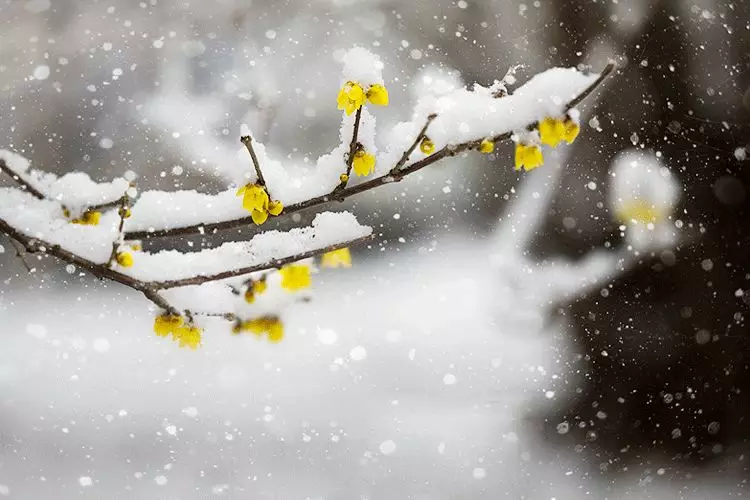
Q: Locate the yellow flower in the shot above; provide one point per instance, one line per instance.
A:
(552, 131)
(639, 211)
(351, 97)
(295, 277)
(427, 146)
(487, 146)
(528, 156)
(269, 325)
(255, 200)
(378, 95)
(571, 130)
(364, 163)
(255, 288)
(343, 178)
(90, 218)
(254, 197)
(125, 259)
(166, 324)
(187, 336)
(337, 258)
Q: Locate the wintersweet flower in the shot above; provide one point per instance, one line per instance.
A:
(256, 288)
(268, 325)
(167, 323)
(125, 259)
(351, 97)
(572, 129)
(378, 95)
(336, 258)
(255, 200)
(552, 131)
(295, 277)
(487, 146)
(427, 146)
(187, 336)
(89, 218)
(363, 163)
(528, 156)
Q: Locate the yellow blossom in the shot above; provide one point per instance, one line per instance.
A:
(528, 156)
(364, 163)
(271, 326)
(125, 259)
(487, 146)
(337, 258)
(351, 97)
(255, 200)
(427, 146)
(551, 131)
(254, 197)
(295, 277)
(378, 95)
(343, 178)
(90, 218)
(187, 336)
(639, 211)
(255, 288)
(571, 130)
(167, 323)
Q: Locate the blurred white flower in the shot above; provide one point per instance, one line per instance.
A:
(643, 196)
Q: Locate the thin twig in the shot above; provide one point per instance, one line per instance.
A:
(248, 142)
(422, 134)
(353, 146)
(274, 264)
(342, 193)
(118, 241)
(26, 185)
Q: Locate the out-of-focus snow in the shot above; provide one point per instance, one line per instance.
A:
(412, 377)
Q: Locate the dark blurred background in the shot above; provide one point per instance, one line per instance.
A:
(160, 88)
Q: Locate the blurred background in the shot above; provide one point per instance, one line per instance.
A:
(650, 369)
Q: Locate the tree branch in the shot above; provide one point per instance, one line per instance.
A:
(274, 264)
(248, 142)
(342, 193)
(408, 152)
(20, 180)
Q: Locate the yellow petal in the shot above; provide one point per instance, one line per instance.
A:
(363, 164)
(295, 277)
(351, 97)
(378, 95)
(275, 207)
(166, 324)
(275, 332)
(337, 258)
(487, 146)
(255, 197)
(571, 131)
(249, 296)
(551, 131)
(259, 286)
(259, 216)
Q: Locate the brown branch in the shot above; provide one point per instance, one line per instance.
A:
(273, 264)
(342, 193)
(20, 180)
(248, 142)
(116, 244)
(353, 145)
(422, 134)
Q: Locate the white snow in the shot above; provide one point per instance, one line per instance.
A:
(328, 228)
(76, 191)
(363, 67)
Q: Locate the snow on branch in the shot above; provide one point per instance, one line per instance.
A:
(96, 225)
